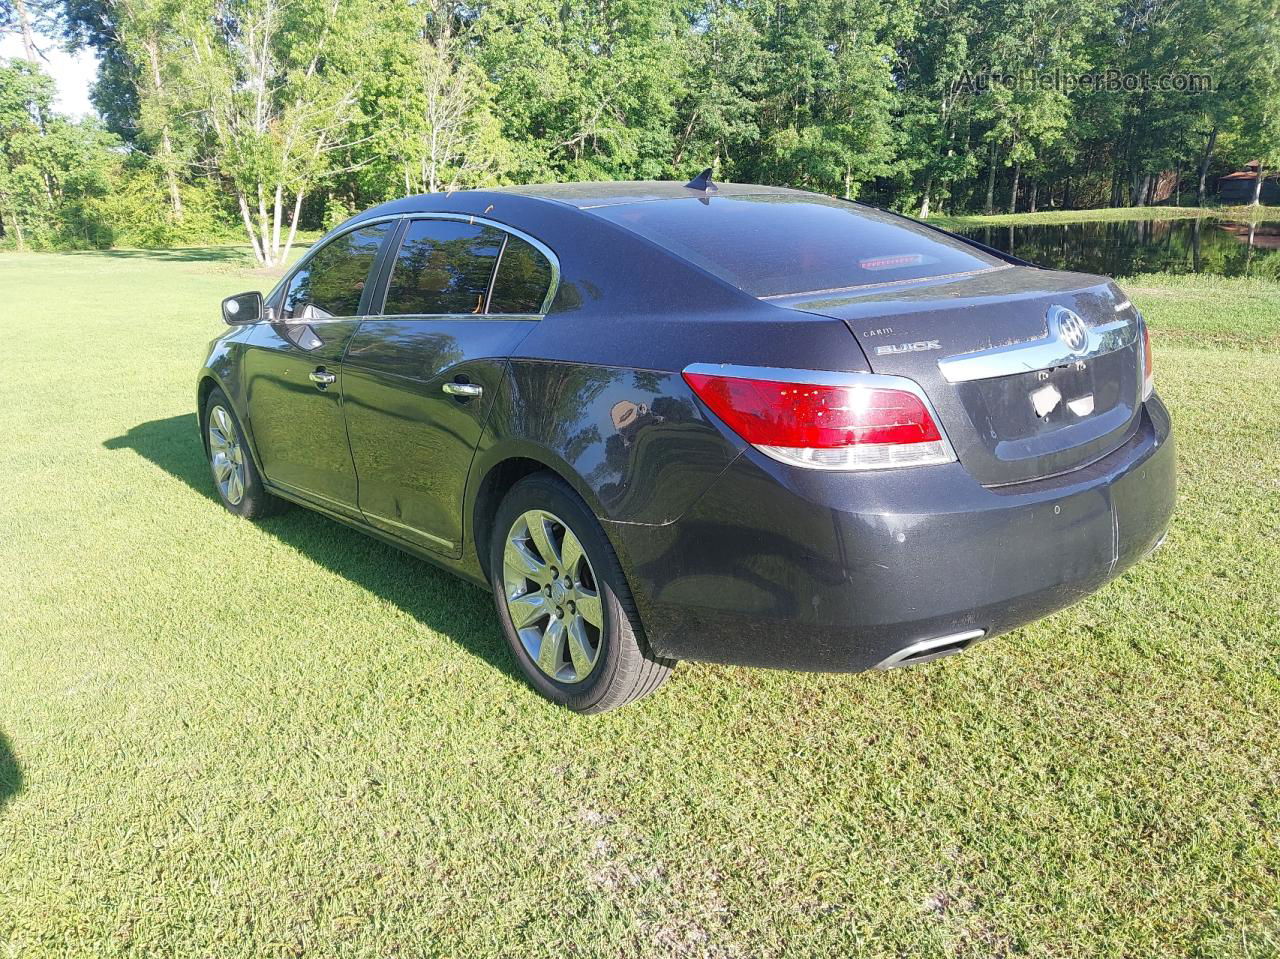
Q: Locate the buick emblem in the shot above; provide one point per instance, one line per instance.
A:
(1071, 329)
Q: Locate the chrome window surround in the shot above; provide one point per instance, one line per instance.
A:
(283, 286)
(1045, 353)
(852, 379)
(537, 244)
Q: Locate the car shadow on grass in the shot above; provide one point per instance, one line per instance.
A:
(173, 444)
(10, 773)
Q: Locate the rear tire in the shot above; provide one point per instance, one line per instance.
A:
(564, 605)
(235, 475)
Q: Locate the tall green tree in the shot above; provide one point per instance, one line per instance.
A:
(51, 168)
(719, 87)
(825, 113)
(585, 91)
(276, 85)
(1259, 137)
(428, 117)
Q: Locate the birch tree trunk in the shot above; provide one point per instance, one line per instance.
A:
(248, 228)
(990, 205)
(29, 47)
(24, 25)
(1144, 186)
(263, 226)
(1205, 160)
(275, 225)
(168, 160)
(293, 227)
(15, 220)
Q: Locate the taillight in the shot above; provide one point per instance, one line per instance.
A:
(1148, 367)
(834, 421)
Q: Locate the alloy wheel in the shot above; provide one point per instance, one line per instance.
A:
(226, 455)
(553, 596)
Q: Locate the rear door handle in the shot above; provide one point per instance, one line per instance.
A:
(463, 389)
(323, 377)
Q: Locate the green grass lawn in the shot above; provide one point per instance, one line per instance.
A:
(1248, 214)
(221, 739)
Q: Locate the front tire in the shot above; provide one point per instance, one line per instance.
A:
(563, 601)
(235, 475)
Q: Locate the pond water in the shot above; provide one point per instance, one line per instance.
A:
(1193, 245)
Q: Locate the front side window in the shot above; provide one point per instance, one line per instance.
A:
(332, 281)
(524, 276)
(443, 266)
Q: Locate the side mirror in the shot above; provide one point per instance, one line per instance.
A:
(242, 309)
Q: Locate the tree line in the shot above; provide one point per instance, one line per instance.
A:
(265, 116)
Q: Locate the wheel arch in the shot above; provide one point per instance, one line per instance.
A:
(207, 384)
(493, 479)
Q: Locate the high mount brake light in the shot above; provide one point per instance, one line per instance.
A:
(833, 421)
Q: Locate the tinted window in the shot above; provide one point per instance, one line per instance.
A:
(443, 266)
(332, 280)
(524, 275)
(775, 244)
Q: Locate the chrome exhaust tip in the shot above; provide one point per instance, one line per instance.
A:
(927, 650)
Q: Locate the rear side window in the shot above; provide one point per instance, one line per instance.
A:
(332, 281)
(524, 276)
(778, 244)
(443, 266)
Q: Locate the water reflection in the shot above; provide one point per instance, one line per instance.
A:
(1192, 245)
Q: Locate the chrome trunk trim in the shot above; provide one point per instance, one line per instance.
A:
(1053, 349)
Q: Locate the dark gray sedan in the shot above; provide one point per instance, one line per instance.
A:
(733, 423)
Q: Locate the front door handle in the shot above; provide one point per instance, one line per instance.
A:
(463, 389)
(323, 377)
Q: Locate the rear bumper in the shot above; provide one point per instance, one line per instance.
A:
(791, 568)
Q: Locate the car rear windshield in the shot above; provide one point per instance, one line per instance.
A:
(778, 244)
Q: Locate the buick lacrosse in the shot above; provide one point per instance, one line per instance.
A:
(669, 421)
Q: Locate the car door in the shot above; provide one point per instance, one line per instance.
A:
(293, 369)
(421, 375)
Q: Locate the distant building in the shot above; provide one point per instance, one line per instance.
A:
(1238, 187)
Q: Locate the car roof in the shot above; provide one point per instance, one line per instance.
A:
(573, 196)
(526, 205)
(587, 195)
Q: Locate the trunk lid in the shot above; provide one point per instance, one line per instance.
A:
(1033, 372)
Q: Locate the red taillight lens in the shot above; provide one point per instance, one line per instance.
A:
(825, 425)
(1148, 367)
